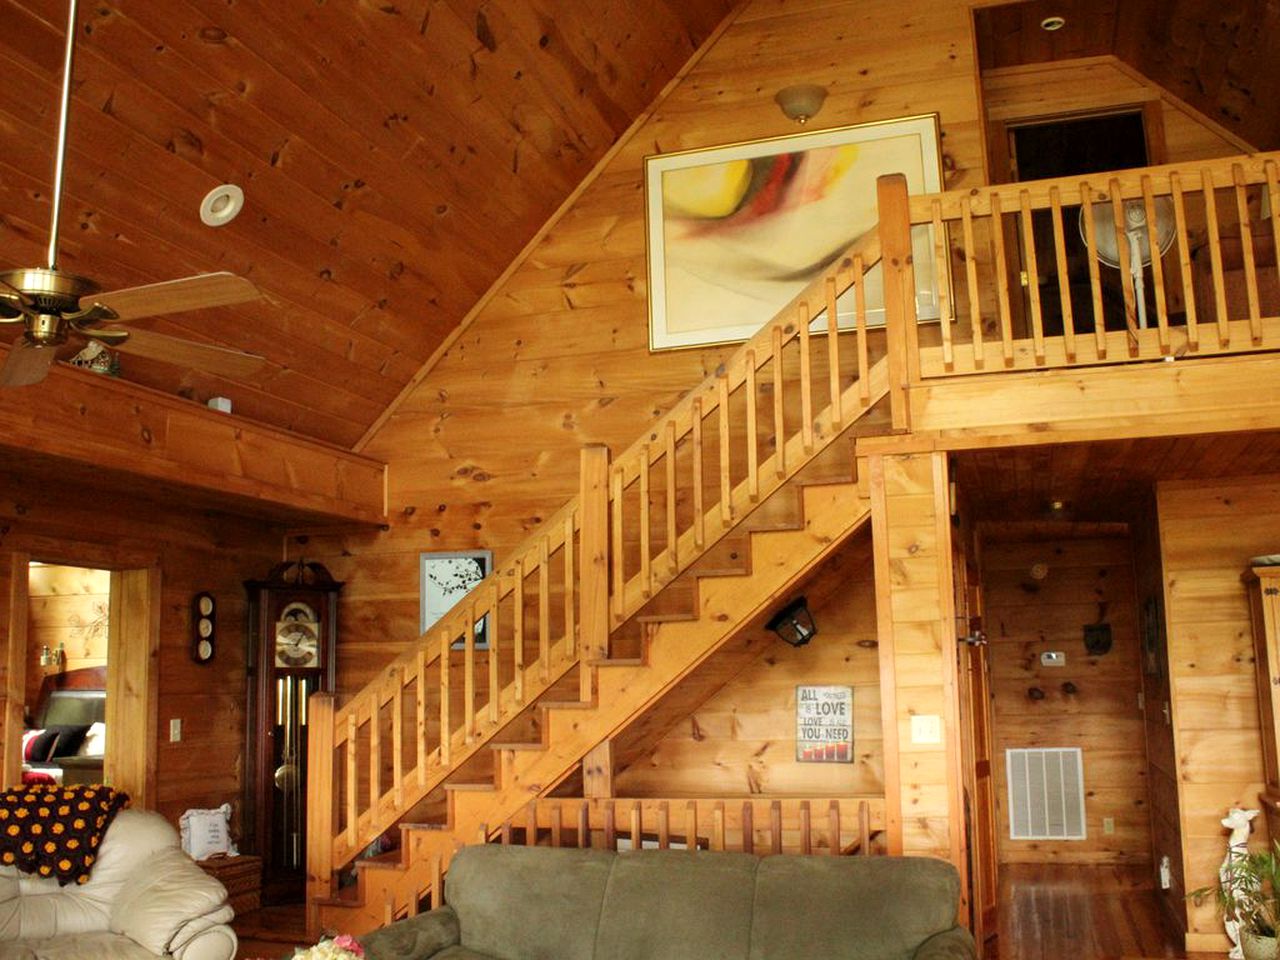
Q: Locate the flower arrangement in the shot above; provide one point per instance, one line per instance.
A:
(344, 947)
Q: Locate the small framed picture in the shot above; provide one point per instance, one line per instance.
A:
(446, 578)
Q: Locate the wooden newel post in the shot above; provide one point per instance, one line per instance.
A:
(322, 800)
(899, 294)
(594, 583)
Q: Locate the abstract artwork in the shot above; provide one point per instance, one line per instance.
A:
(735, 232)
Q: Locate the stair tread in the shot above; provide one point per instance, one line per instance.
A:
(517, 745)
(673, 617)
(391, 860)
(566, 704)
(620, 661)
(479, 787)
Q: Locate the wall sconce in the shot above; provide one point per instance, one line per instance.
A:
(794, 623)
(801, 102)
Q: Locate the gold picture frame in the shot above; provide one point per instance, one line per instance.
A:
(734, 232)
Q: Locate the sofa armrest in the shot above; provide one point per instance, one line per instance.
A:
(209, 942)
(168, 901)
(415, 938)
(953, 944)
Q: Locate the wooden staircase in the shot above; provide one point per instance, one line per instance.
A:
(673, 645)
(696, 530)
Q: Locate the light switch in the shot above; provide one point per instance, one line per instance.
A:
(175, 730)
(926, 728)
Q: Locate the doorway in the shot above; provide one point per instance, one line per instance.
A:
(125, 686)
(1066, 146)
(1058, 689)
(68, 627)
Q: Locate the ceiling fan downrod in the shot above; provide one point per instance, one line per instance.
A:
(61, 155)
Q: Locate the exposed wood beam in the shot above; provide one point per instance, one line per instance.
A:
(106, 428)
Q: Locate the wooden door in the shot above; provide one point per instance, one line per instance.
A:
(974, 672)
(975, 701)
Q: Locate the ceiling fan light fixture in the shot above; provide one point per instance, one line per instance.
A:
(221, 205)
(1053, 23)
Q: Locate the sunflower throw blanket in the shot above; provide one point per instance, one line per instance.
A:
(55, 831)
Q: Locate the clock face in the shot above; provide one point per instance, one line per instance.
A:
(297, 642)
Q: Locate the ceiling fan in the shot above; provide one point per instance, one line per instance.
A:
(54, 306)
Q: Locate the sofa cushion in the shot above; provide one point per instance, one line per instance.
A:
(528, 903)
(677, 905)
(850, 908)
(99, 946)
(461, 953)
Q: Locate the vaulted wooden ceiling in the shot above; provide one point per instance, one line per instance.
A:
(395, 155)
(1217, 55)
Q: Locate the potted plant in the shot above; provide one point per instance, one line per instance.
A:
(1248, 896)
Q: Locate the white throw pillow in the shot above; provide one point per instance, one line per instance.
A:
(207, 832)
(95, 741)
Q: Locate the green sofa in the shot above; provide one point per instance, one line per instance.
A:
(537, 903)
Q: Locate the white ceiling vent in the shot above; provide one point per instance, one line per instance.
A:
(1046, 794)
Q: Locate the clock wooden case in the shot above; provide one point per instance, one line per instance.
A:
(293, 629)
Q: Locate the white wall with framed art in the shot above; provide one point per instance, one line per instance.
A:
(446, 577)
(734, 232)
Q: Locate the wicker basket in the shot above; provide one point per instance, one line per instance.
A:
(242, 876)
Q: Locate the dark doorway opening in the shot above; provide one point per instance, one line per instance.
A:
(1065, 147)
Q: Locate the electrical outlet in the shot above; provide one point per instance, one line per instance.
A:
(175, 730)
(1166, 873)
(1108, 824)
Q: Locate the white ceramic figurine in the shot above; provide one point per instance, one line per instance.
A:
(1239, 822)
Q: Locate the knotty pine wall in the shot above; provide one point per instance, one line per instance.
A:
(487, 445)
(1091, 702)
(1208, 532)
(67, 606)
(741, 741)
(195, 551)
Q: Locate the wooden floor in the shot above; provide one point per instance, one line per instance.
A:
(1082, 912)
(271, 932)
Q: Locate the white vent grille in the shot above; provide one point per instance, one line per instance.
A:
(1046, 794)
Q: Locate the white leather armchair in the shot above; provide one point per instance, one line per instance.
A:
(144, 899)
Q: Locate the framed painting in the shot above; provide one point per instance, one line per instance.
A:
(446, 577)
(735, 232)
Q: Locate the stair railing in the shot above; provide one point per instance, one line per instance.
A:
(1013, 303)
(637, 524)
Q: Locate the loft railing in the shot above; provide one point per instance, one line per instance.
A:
(637, 524)
(1029, 290)
(762, 825)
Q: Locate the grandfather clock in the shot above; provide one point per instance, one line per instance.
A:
(293, 626)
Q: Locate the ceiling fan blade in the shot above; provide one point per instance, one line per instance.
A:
(26, 364)
(174, 296)
(183, 353)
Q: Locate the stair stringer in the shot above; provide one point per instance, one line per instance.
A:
(780, 559)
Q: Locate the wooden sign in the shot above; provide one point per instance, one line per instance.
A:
(824, 724)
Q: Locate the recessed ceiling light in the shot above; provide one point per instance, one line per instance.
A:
(1053, 23)
(221, 204)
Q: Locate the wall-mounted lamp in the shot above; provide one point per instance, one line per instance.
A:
(801, 102)
(794, 623)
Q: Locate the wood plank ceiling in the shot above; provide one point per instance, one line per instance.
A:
(395, 155)
(1217, 55)
(1106, 482)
